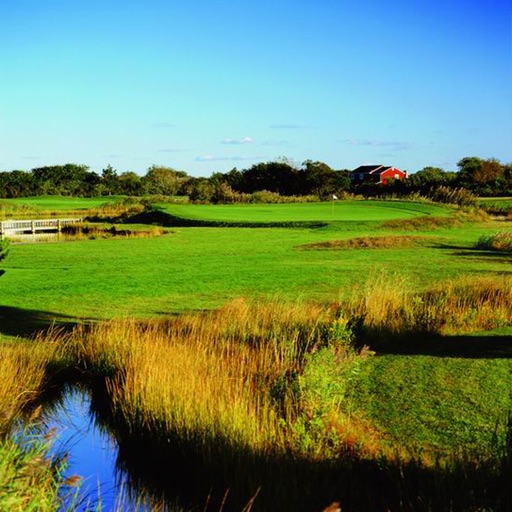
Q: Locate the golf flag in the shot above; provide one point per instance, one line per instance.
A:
(334, 196)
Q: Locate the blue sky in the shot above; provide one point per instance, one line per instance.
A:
(206, 86)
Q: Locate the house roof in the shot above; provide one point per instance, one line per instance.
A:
(372, 169)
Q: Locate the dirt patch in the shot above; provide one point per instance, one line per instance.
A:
(368, 242)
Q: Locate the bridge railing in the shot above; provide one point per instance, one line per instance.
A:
(9, 227)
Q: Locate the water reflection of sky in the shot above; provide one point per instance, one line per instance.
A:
(92, 453)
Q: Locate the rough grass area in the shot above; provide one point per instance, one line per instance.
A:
(369, 242)
(423, 224)
(390, 308)
(92, 232)
(431, 223)
(273, 400)
(501, 241)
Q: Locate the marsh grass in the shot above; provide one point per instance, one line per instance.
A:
(390, 307)
(92, 231)
(22, 370)
(206, 375)
(501, 241)
(30, 478)
(256, 397)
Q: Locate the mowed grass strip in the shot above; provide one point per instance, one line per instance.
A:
(59, 203)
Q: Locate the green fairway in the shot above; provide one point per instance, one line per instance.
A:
(299, 212)
(60, 203)
(196, 268)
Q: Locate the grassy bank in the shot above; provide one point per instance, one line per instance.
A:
(283, 402)
(264, 379)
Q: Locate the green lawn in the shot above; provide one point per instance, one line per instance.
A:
(59, 203)
(343, 211)
(196, 268)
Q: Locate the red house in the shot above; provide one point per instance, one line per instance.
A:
(382, 174)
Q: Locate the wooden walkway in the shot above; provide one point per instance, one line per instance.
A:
(27, 227)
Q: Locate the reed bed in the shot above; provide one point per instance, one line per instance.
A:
(501, 241)
(29, 478)
(390, 306)
(22, 370)
(206, 376)
(254, 393)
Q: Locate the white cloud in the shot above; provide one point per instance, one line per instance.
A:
(288, 126)
(211, 158)
(164, 125)
(391, 144)
(235, 142)
(275, 143)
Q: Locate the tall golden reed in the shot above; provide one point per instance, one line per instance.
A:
(390, 305)
(205, 376)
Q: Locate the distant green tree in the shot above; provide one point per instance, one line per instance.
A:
(109, 183)
(200, 190)
(16, 184)
(482, 176)
(130, 184)
(280, 177)
(66, 180)
(428, 177)
(163, 180)
(321, 180)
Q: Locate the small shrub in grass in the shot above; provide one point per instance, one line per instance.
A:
(322, 427)
(501, 241)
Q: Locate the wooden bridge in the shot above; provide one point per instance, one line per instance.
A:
(27, 227)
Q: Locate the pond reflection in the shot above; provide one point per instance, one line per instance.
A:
(92, 454)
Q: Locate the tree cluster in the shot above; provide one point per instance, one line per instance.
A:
(280, 178)
(79, 181)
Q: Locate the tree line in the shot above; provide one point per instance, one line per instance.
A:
(483, 177)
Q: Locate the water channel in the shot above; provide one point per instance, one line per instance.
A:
(92, 453)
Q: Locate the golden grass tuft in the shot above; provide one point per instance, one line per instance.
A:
(390, 305)
(22, 371)
(369, 242)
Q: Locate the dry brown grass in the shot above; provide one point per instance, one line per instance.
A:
(92, 231)
(22, 371)
(207, 376)
(370, 242)
(392, 307)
